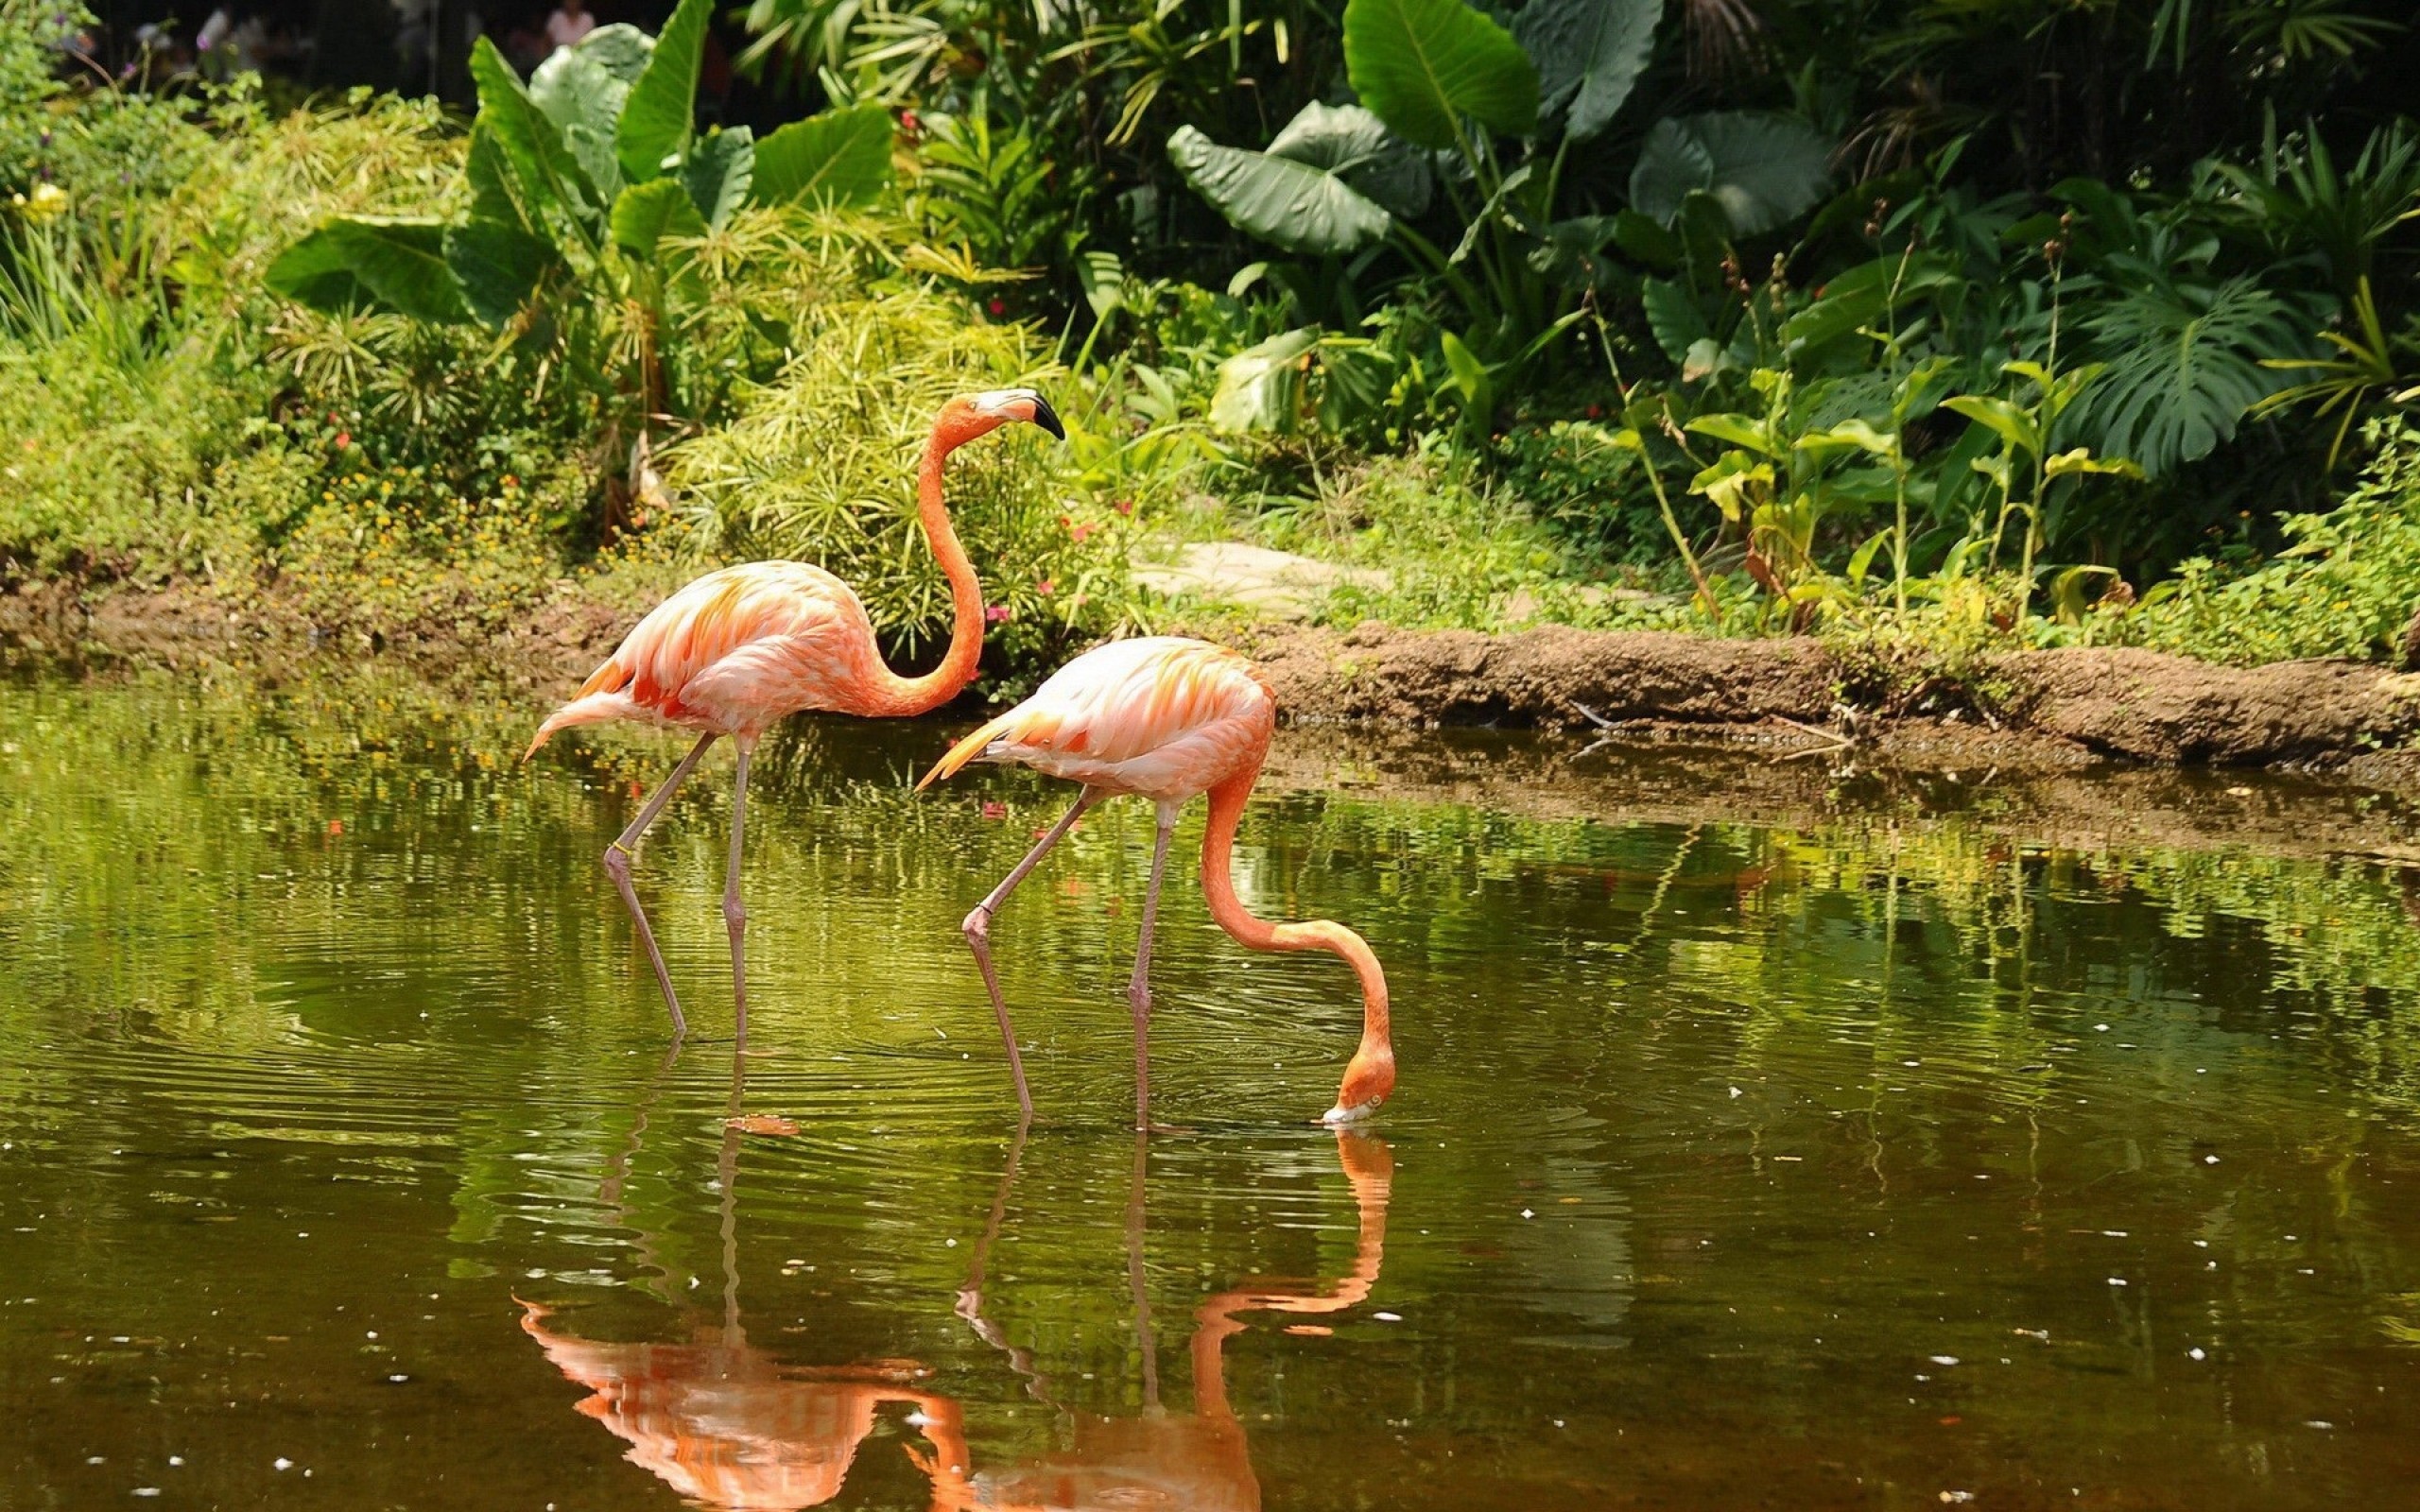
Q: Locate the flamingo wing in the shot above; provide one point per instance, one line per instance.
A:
(1160, 716)
(729, 651)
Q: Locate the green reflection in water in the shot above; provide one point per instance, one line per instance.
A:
(337, 1129)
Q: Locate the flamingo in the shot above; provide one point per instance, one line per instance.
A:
(1165, 718)
(740, 649)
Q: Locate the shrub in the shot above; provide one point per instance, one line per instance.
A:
(822, 465)
(2346, 587)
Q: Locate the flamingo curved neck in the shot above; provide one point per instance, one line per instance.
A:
(1227, 802)
(921, 695)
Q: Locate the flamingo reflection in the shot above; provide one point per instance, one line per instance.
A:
(723, 1423)
(1198, 1461)
(728, 1425)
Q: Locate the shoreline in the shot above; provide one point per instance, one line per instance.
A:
(1793, 701)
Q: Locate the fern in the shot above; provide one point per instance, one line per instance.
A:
(2184, 366)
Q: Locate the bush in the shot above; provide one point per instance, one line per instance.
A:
(2346, 587)
(822, 465)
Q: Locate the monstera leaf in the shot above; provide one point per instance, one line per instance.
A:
(1589, 52)
(1323, 187)
(2184, 366)
(1764, 170)
(1420, 63)
(838, 158)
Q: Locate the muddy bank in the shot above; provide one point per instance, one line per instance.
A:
(1796, 700)
(2040, 706)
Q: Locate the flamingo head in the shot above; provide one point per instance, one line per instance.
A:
(964, 418)
(1367, 1082)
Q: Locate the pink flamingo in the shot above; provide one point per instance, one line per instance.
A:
(1165, 718)
(740, 649)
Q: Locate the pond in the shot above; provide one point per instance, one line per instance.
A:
(1873, 1151)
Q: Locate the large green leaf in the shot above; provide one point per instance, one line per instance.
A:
(655, 119)
(1258, 387)
(621, 48)
(584, 99)
(1299, 206)
(1589, 52)
(2184, 365)
(550, 177)
(1420, 63)
(497, 265)
(648, 213)
(1355, 145)
(838, 158)
(381, 262)
(1764, 169)
(718, 172)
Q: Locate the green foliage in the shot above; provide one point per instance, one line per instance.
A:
(821, 468)
(2346, 586)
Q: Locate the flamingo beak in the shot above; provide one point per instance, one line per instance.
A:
(1047, 417)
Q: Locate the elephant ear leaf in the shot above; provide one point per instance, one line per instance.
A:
(1420, 63)
(621, 49)
(1764, 169)
(584, 100)
(550, 177)
(497, 265)
(1297, 205)
(718, 172)
(374, 262)
(649, 213)
(1588, 54)
(1355, 145)
(839, 158)
(654, 127)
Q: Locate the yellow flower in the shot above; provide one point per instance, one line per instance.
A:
(49, 202)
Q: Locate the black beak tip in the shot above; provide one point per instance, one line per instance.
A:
(1047, 417)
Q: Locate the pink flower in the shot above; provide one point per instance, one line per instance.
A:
(998, 613)
(997, 307)
(1124, 506)
(1045, 588)
(344, 438)
(995, 811)
(908, 120)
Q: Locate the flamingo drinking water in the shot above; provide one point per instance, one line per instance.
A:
(1165, 718)
(740, 649)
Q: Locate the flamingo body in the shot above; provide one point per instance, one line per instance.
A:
(1167, 718)
(1160, 716)
(736, 652)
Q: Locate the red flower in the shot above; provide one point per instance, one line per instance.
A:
(1596, 412)
(344, 438)
(335, 825)
(995, 811)
(909, 123)
(998, 615)
(997, 307)
(1046, 587)
(1124, 506)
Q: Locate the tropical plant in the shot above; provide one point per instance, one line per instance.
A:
(594, 219)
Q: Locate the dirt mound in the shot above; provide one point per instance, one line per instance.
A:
(2138, 705)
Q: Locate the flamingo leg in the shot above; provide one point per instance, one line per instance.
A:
(978, 928)
(734, 913)
(1138, 992)
(617, 865)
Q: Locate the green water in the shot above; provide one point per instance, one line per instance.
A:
(1877, 1159)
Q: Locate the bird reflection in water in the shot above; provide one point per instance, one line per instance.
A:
(1198, 1461)
(722, 1421)
(727, 1425)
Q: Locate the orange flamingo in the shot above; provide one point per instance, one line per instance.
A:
(1165, 718)
(741, 649)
